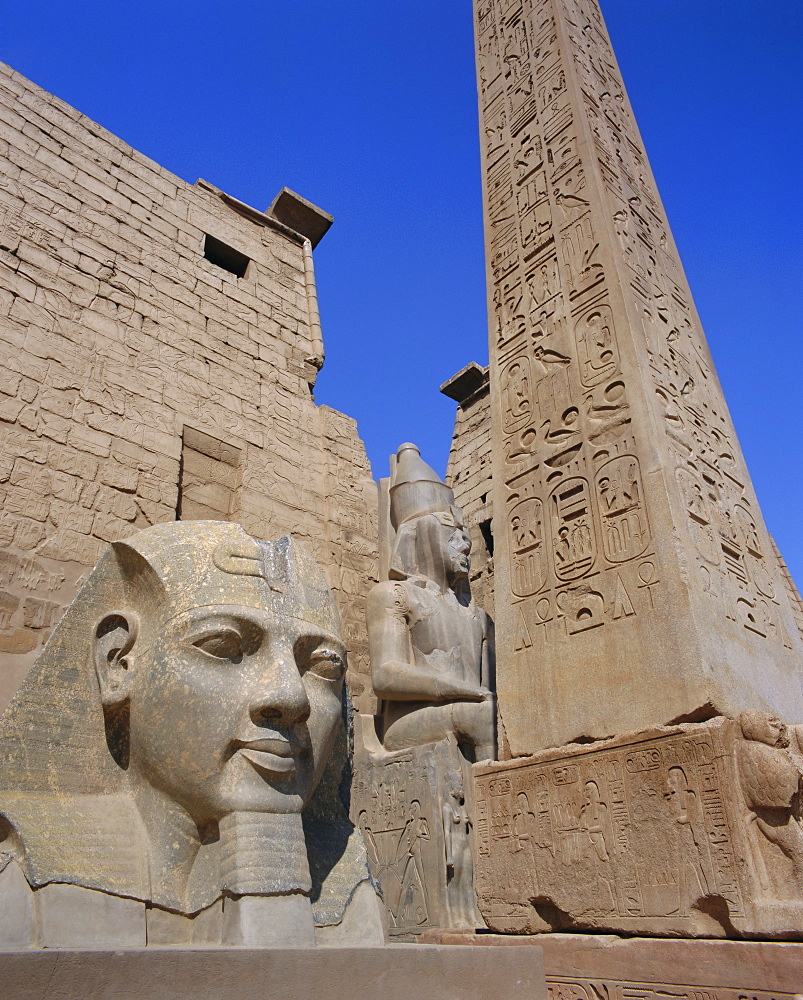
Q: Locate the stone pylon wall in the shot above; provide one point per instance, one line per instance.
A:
(635, 582)
(132, 368)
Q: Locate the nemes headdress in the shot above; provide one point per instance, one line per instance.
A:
(216, 562)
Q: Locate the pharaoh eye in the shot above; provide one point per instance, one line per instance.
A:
(327, 663)
(226, 645)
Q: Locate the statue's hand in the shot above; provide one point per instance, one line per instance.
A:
(450, 689)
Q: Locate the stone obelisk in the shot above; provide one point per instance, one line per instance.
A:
(635, 580)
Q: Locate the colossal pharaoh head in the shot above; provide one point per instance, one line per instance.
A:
(178, 723)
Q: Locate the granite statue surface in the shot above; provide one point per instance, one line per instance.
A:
(432, 667)
(179, 743)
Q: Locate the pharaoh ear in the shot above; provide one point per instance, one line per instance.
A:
(114, 639)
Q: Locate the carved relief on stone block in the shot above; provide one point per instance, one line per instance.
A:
(414, 811)
(573, 532)
(693, 830)
(596, 345)
(516, 395)
(529, 553)
(565, 988)
(625, 532)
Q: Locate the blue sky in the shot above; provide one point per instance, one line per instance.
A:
(369, 110)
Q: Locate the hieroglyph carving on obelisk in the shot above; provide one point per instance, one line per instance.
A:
(636, 582)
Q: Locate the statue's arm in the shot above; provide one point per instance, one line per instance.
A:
(393, 674)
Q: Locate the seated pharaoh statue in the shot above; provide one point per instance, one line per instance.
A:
(431, 647)
(431, 651)
(171, 767)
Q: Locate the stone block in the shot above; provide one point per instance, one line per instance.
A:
(109, 527)
(40, 614)
(10, 408)
(168, 928)
(111, 501)
(603, 967)
(28, 534)
(21, 640)
(690, 830)
(23, 500)
(30, 420)
(74, 463)
(91, 441)
(395, 973)
(51, 426)
(119, 477)
(8, 605)
(9, 382)
(70, 915)
(397, 802)
(66, 545)
(68, 514)
(17, 911)
(64, 487)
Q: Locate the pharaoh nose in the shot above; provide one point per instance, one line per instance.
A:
(279, 696)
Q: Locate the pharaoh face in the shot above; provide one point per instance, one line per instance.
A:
(234, 708)
(459, 547)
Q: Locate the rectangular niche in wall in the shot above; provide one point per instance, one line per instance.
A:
(210, 478)
(222, 255)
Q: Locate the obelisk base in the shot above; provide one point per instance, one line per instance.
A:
(391, 973)
(603, 965)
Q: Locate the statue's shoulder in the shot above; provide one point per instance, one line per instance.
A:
(390, 594)
(96, 841)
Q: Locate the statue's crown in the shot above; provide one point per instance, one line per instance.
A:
(415, 488)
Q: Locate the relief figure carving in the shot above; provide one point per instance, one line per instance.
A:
(685, 806)
(621, 503)
(412, 903)
(573, 536)
(596, 346)
(772, 781)
(529, 553)
(516, 396)
(459, 863)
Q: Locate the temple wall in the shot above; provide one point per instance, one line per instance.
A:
(142, 379)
